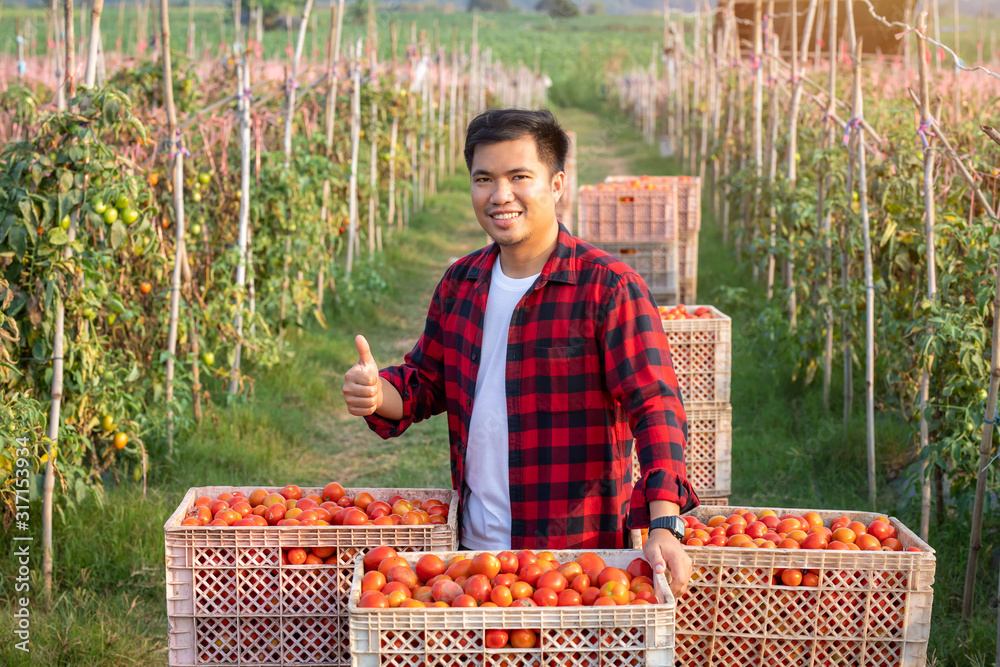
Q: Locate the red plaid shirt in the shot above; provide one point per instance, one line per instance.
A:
(588, 365)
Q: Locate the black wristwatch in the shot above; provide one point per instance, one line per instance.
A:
(674, 524)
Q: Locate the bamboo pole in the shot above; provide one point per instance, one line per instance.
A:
(792, 173)
(58, 37)
(985, 444)
(929, 221)
(758, 133)
(393, 138)
(823, 185)
(178, 193)
(95, 38)
(355, 141)
(845, 256)
(243, 237)
(331, 114)
(452, 105)
(770, 153)
(374, 242)
(290, 86)
(727, 147)
(869, 281)
(955, 86)
(48, 489)
(70, 75)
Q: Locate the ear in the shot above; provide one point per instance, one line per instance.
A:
(558, 185)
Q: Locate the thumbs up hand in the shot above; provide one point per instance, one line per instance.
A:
(362, 386)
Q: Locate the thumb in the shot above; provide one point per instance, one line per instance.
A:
(654, 556)
(364, 351)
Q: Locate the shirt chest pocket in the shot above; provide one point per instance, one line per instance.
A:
(562, 378)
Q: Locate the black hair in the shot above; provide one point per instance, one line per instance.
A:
(498, 125)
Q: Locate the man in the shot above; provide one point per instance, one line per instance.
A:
(547, 354)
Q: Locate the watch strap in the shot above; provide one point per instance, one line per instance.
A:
(674, 524)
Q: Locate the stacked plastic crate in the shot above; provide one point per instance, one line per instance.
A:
(688, 227)
(638, 222)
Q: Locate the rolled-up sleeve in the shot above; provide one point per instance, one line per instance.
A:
(640, 375)
(420, 379)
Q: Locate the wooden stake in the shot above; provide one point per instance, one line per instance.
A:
(869, 281)
(178, 187)
(70, 50)
(95, 39)
(823, 184)
(985, 444)
(243, 238)
(290, 86)
(355, 145)
(393, 138)
(929, 221)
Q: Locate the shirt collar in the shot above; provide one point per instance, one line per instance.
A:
(560, 267)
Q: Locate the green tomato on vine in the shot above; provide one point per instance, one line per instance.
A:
(98, 205)
(122, 202)
(204, 178)
(110, 215)
(130, 215)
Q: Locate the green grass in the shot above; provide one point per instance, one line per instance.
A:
(109, 606)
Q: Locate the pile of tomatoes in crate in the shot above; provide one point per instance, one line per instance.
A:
(505, 579)
(744, 529)
(332, 507)
(679, 312)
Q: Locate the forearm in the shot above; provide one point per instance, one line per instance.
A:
(661, 508)
(391, 406)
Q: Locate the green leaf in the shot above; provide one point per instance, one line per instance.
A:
(115, 304)
(118, 235)
(5, 226)
(58, 236)
(18, 239)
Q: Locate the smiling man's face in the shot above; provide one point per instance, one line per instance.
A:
(514, 195)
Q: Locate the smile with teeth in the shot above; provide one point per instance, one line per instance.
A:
(505, 216)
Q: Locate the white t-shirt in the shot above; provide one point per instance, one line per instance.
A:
(486, 512)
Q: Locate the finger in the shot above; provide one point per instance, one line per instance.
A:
(359, 385)
(364, 351)
(654, 558)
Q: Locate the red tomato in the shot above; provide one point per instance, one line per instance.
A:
(508, 562)
(446, 591)
(429, 566)
(545, 597)
(523, 639)
(639, 568)
(373, 600)
(333, 492)
(501, 596)
(464, 600)
(496, 638)
(569, 598)
(553, 580)
(478, 587)
(377, 555)
(486, 564)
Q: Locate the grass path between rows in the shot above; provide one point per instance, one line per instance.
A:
(110, 606)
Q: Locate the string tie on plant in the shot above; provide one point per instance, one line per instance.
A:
(245, 95)
(901, 35)
(180, 147)
(291, 84)
(851, 124)
(925, 131)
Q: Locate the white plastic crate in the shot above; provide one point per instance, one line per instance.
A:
(621, 636)
(230, 601)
